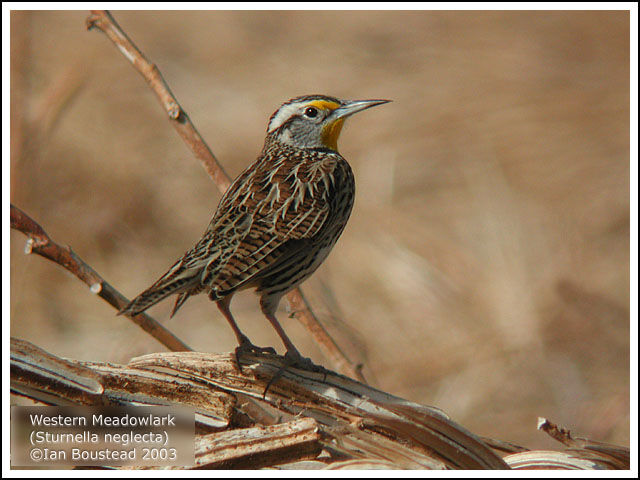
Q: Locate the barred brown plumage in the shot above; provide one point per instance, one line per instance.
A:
(278, 220)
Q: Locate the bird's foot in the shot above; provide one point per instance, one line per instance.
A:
(293, 359)
(247, 347)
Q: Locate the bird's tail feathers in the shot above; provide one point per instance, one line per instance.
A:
(168, 284)
(183, 298)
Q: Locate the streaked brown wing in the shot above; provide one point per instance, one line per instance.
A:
(275, 202)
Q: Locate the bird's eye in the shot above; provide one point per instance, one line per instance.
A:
(311, 112)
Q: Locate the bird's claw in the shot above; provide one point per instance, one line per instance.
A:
(247, 347)
(293, 359)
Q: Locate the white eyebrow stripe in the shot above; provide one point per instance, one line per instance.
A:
(285, 112)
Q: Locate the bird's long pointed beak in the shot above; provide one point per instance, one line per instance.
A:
(355, 106)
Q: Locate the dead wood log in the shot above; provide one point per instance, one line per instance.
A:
(305, 419)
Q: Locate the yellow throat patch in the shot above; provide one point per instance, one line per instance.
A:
(331, 131)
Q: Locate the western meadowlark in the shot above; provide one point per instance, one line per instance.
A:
(278, 220)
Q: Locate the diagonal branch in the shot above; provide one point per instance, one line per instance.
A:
(345, 418)
(103, 20)
(149, 71)
(39, 242)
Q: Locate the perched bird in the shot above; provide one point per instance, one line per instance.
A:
(278, 220)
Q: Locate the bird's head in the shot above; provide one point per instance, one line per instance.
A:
(314, 121)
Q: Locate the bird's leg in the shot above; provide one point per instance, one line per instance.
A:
(293, 357)
(268, 305)
(223, 305)
(244, 344)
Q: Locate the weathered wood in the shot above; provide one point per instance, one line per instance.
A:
(305, 419)
(260, 446)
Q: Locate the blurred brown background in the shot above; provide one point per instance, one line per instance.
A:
(485, 269)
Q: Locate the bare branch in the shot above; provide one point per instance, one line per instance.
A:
(40, 243)
(600, 452)
(356, 426)
(43, 377)
(103, 20)
(348, 419)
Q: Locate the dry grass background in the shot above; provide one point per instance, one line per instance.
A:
(485, 269)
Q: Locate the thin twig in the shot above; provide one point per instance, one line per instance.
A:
(103, 20)
(39, 242)
(302, 312)
(563, 435)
